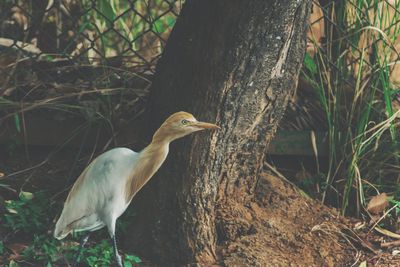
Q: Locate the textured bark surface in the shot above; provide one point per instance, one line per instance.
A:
(235, 63)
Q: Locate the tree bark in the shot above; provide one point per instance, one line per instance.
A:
(235, 63)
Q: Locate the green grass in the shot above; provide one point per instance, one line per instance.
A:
(357, 102)
(30, 216)
(26, 214)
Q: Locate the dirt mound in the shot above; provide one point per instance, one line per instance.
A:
(282, 228)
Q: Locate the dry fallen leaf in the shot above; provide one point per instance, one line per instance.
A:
(359, 225)
(378, 203)
(17, 251)
(387, 232)
(316, 31)
(395, 252)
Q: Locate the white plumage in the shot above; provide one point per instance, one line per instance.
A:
(106, 187)
(99, 200)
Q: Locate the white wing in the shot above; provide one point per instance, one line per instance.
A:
(97, 197)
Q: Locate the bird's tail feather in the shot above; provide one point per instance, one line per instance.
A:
(60, 235)
(61, 231)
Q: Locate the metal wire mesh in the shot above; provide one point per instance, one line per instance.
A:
(350, 42)
(82, 58)
(79, 45)
(133, 33)
(366, 31)
(117, 32)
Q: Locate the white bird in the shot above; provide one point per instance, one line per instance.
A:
(106, 187)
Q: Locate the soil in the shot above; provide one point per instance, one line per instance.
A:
(280, 227)
(289, 230)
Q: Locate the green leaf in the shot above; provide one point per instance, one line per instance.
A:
(17, 123)
(171, 21)
(310, 64)
(13, 264)
(127, 264)
(159, 26)
(107, 10)
(26, 195)
(133, 258)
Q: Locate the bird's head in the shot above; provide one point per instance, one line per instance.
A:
(180, 124)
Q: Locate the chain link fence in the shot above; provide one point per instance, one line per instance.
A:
(61, 48)
(116, 32)
(366, 31)
(91, 58)
(350, 43)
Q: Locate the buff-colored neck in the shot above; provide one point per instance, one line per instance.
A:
(150, 160)
(161, 137)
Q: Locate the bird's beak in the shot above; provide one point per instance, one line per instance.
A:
(205, 125)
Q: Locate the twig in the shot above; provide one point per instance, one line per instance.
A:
(18, 45)
(390, 244)
(381, 218)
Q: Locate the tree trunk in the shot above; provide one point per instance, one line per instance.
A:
(235, 63)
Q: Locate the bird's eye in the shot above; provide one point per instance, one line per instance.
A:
(185, 122)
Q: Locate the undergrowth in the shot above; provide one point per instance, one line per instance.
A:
(29, 218)
(354, 77)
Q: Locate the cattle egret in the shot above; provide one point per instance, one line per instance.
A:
(106, 187)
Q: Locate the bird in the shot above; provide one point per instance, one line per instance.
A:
(108, 184)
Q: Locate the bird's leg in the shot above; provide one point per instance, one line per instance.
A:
(117, 256)
(81, 245)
